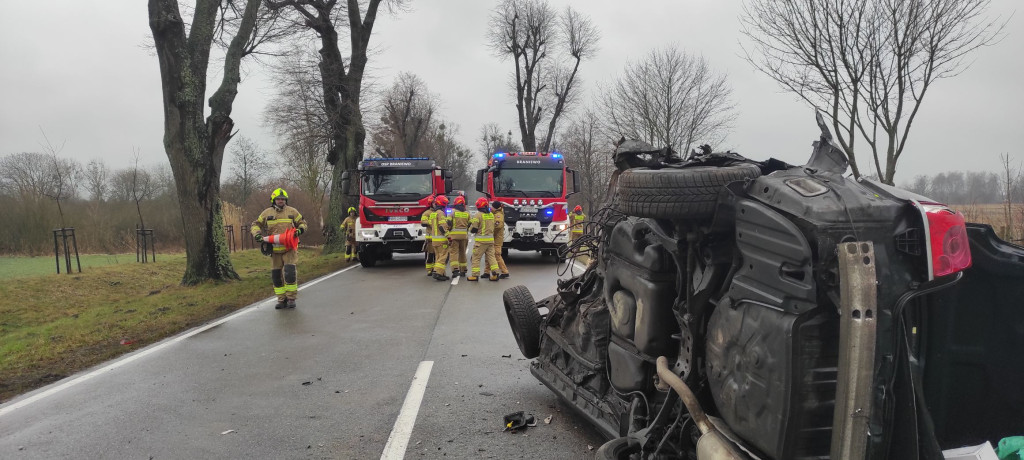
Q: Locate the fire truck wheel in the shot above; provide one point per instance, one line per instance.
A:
(367, 259)
(683, 193)
(524, 318)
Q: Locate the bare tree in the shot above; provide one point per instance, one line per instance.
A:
(342, 81)
(442, 146)
(590, 153)
(492, 141)
(96, 176)
(670, 98)
(866, 64)
(547, 49)
(64, 175)
(305, 165)
(1009, 176)
(193, 141)
(408, 116)
(27, 175)
(249, 168)
(140, 186)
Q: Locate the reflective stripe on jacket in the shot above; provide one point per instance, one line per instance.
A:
(577, 222)
(439, 225)
(484, 223)
(459, 224)
(273, 221)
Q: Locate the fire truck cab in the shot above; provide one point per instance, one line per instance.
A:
(533, 186)
(393, 193)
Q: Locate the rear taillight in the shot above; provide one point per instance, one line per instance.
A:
(948, 247)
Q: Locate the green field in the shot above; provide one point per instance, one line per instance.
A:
(20, 267)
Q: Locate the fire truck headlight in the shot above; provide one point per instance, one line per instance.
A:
(515, 202)
(367, 233)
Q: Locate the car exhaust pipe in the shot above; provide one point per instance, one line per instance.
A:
(712, 445)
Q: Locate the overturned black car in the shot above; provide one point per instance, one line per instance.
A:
(740, 309)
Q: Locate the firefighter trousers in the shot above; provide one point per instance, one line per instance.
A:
(428, 249)
(498, 241)
(350, 248)
(486, 250)
(440, 256)
(286, 285)
(457, 253)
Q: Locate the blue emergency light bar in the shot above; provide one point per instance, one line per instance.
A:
(556, 155)
(389, 159)
(499, 155)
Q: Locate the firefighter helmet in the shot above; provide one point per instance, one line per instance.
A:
(351, 209)
(460, 200)
(481, 202)
(279, 193)
(578, 208)
(441, 200)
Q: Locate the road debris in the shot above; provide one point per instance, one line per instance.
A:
(547, 420)
(307, 383)
(506, 356)
(227, 432)
(486, 393)
(518, 420)
(127, 342)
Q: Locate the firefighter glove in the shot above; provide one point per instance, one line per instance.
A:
(474, 230)
(298, 231)
(259, 237)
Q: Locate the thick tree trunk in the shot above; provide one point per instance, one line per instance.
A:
(194, 145)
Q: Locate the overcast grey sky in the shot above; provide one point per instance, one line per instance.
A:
(78, 70)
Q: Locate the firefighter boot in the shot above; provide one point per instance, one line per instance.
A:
(473, 277)
(291, 303)
(504, 275)
(441, 277)
(494, 276)
(281, 304)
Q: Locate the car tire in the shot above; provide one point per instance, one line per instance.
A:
(683, 193)
(524, 319)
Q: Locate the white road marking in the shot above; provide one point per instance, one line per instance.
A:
(456, 280)
(153, 348)
(398, 441)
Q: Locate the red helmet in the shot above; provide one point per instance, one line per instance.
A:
(460, 200)
(441, 200)
(481, 202)
(430, 199)
(578, 208)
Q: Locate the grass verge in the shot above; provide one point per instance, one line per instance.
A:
(52, 326)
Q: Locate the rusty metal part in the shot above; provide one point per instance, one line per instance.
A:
(712, 445)
(857, 330)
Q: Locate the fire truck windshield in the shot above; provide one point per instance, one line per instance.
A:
(528, 182)
(397, 185)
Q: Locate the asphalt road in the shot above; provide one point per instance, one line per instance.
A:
(326, 380)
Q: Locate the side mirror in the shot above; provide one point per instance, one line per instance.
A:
(575, 186)
(480, 180)
(447, 185)
(448, 174)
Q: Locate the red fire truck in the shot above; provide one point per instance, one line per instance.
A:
(393, 194)
(533, 186)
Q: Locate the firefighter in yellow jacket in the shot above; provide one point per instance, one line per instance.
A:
(482, 224)
(348, 228)
(577, 218)
(439, 235)
(276, 219)
(458, 236)
(499, 237)
(428, 243)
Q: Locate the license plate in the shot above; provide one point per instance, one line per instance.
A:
(396, 218)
